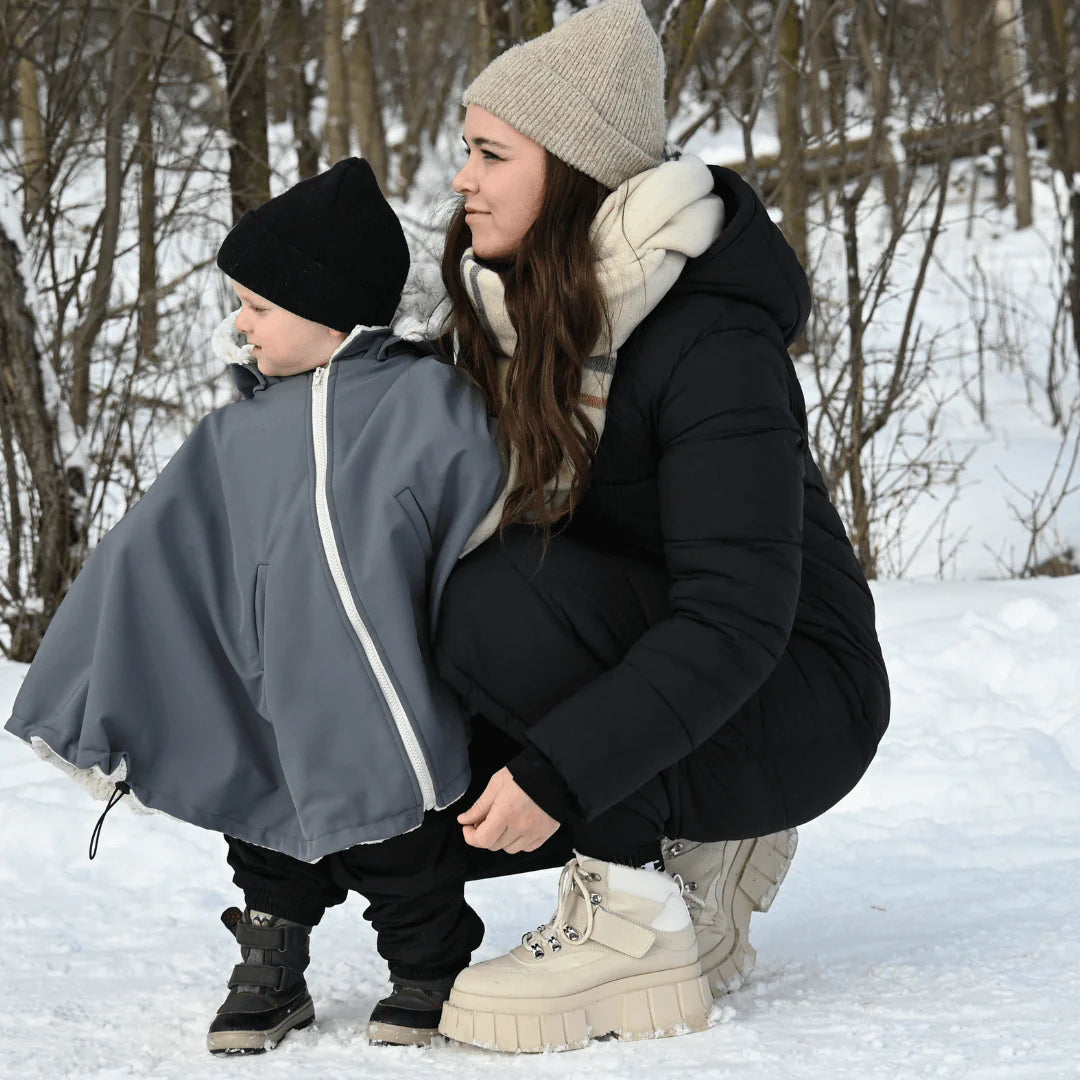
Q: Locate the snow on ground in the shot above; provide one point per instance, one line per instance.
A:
(929, 926)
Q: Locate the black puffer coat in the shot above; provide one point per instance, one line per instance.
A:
(704, 467)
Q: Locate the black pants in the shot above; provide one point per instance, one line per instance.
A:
(515, 637)
(414, 883)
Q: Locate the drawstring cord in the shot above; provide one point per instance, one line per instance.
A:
(121, 789)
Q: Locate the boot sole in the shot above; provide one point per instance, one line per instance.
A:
(258, 1042)
(651, 1006)
(380, 1034)
(759, 869)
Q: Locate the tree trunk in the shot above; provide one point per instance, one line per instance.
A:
(14, 519)
(873, 33)
(291, 54)
(679, 32)
(537, 17)
(192, 51)
(513, 21)
(1010, 61)
(144, 111)
(825, 57)
(743, 80)
(1064, 143)
(34, 156)
(278, 75)
(481, 47)
(117, 102)
(970, 53)
(367, 114)
(818, 75)
(22, 400)
(243, 52)
(790, 131)
(860, 502)
(499, 20)
(337, 89)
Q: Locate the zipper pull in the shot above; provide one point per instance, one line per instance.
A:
(318, 376)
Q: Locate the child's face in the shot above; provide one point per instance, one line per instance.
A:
(283, 343)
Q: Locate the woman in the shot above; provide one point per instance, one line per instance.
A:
(693, 653)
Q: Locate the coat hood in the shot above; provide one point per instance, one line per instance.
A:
(750, 261)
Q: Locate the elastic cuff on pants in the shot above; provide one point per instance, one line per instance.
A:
(440, 976)
(273, 905)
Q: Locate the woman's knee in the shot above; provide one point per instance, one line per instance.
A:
(511, 598)
(516, 636)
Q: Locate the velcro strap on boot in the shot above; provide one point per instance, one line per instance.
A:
(277, 938)
(260, 937)
(267, 976)
(622, 935)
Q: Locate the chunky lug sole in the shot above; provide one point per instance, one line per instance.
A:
(258, 1042)
(756, 875)
(650, 1006)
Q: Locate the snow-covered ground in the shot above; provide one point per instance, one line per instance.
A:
(929, 927)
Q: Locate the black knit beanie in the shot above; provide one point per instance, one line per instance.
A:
(329, 249)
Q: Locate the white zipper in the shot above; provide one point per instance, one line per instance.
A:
(319, 388)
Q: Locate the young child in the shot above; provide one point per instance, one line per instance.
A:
(247, 650)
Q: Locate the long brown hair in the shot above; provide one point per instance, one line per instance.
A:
(555, 302)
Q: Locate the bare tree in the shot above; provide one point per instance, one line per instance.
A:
(678, 34)
(1010, 67)
(291, 53)
(1060, 34)
(87, 388)
(789, 123)
(117, 103)
(144, 89)
(1036, 511)
(34, 160)
(537, 17)
(366, 103)
(44, 558)
(864, 389)
(422, 55)
(336, 132)
(243, 52)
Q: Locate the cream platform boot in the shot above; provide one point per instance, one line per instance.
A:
(724, 883)
(618, 957)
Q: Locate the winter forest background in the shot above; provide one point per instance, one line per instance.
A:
(923, 157)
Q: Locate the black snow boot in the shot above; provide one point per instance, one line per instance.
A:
(410, 1015)
(267, 993)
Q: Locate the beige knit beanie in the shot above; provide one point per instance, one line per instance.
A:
(591, 91)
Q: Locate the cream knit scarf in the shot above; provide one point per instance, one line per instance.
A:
(643, 233)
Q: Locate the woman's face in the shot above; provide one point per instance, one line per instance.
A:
(502, 182)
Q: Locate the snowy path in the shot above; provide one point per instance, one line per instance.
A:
(930, 926)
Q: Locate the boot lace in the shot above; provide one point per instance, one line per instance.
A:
(557, 929)
(687, 890)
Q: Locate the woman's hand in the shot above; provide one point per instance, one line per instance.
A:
(504, 818)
